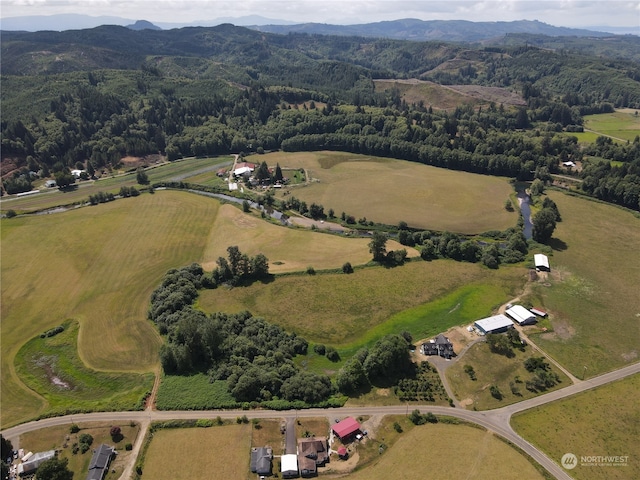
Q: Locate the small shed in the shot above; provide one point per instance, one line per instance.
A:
(33, 461)
(289, 465)
(541, 262)
(521, 315)
(346, 428)
(538, 312)
(343, 453)
(50, 183)
(495, 324)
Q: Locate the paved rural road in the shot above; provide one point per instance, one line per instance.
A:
(497, 421)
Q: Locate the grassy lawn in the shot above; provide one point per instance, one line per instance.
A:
(604, 421)
(493, 369)
(215, 452)
(423, 196)
(454, 451)
(592, 291)
(623, 124)
(267, 433)
(50, 366)
(349, 311)
(98, 266)
(60, 438)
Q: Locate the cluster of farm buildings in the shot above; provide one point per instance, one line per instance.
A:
(311, 453)
(29, 462)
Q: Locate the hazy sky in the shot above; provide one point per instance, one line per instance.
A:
(569, 13)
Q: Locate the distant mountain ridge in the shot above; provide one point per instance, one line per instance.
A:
(421, 30)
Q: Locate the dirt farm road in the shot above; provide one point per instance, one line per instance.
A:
(497, 421)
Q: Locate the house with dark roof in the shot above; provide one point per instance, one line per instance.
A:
(312, 453)
(100, 461)
(440, 345)
(261, 460)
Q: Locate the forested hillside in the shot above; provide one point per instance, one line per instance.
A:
(87, 98)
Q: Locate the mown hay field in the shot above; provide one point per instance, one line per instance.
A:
(622, 124)
(97, 265)
(453, 451)
(287, 250)
(494, 369)
(388, 191)
(199, 453)
(592, 290)
(603, 421)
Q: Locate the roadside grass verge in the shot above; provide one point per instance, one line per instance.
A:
(423, 196)
(349, 311)
(592, 290)
(492, 369)
(193, 392)
(221, 451)
(468, 452)
(59, 438)
(97, 266)
(603, 421)
(51, 367)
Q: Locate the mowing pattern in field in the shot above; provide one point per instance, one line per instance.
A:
(97, 265)
(622, 124)
(593, 287)
(342, 309)
(199, 453)
(287, 250)
(389, 191)
(604, 421)
(448, 452)
(493, 369)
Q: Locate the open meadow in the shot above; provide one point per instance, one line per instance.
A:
(96, 265)
(604, 421)
(389, 191)
(349, 311)
(494, 369)
(199, 453)
(60, 438)
(592, 290)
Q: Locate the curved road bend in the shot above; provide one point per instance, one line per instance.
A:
(496, 421)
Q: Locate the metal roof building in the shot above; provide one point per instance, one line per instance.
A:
(541, 262)
(521, 315)
(346, 427)
(496, 324)
(289, 465)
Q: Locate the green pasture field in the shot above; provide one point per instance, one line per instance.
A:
(51, 367)
(389, 191)
(200, 453)
(97, 265)
(287, 250)
(194, 393)
(592, 290)
(584, 137)
(59, 438)
(53, 197)
(494, 369)
(452, 450)
(622, 124)
(349, 311)
(603, 421)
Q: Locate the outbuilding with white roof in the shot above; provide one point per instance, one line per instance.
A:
(521, 315)
(496, 324)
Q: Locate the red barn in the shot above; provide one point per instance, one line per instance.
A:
(346, 428)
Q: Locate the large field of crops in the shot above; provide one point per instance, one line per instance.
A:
(388, 191)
